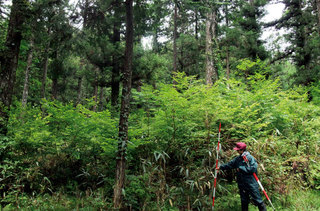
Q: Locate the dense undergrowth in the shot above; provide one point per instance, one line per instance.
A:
(60, 157)
(296, 201)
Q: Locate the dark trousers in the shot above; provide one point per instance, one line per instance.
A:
(246, 193)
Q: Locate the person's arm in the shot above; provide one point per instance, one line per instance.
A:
(251, 168)
(229, 165)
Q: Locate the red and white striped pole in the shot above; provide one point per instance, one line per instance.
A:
(258, 181)
(216, 171)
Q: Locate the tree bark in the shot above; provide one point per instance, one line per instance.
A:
(227, 46)
(155, 43)
(318, 13)
(79, 87)
(115, 78)
(9, 59)
(101, 98)
(303, 60)
(124, 111)
(95, 90)
(54, 88)
(210, 36)
(9, 56)
(26, 78)
(85, 14)
(196, 24)
(175, 17)
(215, 45)
(45, 72)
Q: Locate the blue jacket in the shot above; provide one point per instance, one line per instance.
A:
(245, 178)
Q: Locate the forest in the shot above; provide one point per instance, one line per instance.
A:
(117, 104)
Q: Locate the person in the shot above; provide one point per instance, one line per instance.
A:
(247, 184)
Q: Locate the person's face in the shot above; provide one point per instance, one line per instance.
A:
(240, 152)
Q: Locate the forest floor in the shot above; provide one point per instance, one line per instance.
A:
(297, 201)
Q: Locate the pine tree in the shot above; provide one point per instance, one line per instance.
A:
(251, 46)
(301, 23)
(9, 58)
(125, 106)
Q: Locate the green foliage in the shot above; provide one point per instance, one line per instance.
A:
(285, 71)
(276, 124)
(245, 68)
(315, 93)
(299, 200)
(190, 57)
(299, 22)
(244, 35)
(137, 193)
(58, 147)
(57, 156)
(64, 149)
(88, 201)
(151, 67)
(63, 127)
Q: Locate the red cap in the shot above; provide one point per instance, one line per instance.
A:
(240, 146)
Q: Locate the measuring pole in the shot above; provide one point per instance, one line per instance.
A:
(258, 181)
(216, 171)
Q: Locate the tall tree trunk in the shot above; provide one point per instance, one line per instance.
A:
(175, 17)
(196, 23)
(155, 43)
(26, 78)
(215, 44)
(9, 56)
(318, 13)
(1, 6)
(228, 63)
(139, 84)
(210, 36)
(56, 75)
(95, 90)
(45, 72)
(85, 14)
(125, 106)
(9, 59)
(209, 59)
(115, 78)
(101, 98)
(227, 46)
(303, 58)
(79, 88)
(54, 88)
(82, 62)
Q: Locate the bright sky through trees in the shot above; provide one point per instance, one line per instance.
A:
(274, 12)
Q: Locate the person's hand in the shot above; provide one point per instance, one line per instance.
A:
(238, 170)
(218, 168)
